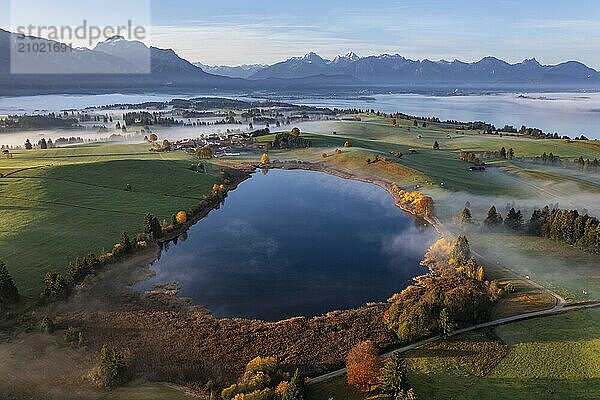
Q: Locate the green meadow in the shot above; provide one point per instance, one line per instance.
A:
(63, 203)
(551, 357)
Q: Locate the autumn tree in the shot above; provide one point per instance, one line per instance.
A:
(363, 366)
(8, 291)
(264, 159)
(347, 143)
(393, 122)
(261, 376)
(153, 138)
(295, 132)
(181, 217)
(393, 376)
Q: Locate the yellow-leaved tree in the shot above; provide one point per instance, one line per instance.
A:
(264, 160)
(181, 217)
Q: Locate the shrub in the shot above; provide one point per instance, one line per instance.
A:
(56, 287)
(74, 336)
(47, 325)
(111, 365)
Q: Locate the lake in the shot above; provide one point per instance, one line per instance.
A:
(296, 243)
(570, 114)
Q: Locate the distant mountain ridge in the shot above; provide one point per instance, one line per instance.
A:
(238, 71)
(395, 69)
(122, 65)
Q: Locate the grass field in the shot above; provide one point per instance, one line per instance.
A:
(552, 357)
(58, 204)
(555, 357)
(73, 202)
(563, 268)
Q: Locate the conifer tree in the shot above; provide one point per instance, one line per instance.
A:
(393, 376)
(493, 218)
(461, 252)
(8, 291)
(465, 216)
(294, 389)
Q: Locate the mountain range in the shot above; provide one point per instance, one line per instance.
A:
(124, 65)
(238, 71)
(395, 69)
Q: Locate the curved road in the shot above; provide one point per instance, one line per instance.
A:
(558, 309)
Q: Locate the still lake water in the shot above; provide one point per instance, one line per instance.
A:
(570, 114)
(296, 243)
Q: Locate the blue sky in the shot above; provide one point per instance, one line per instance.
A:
(267, 31)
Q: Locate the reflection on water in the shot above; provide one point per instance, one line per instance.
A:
(292, 243)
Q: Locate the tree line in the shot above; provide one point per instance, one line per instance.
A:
(568, 226)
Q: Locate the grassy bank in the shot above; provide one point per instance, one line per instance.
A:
(63, 203)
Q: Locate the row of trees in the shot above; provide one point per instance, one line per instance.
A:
(476, 158)
(568, 226)
(579, 163)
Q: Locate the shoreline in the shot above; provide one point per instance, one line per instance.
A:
(245, 171)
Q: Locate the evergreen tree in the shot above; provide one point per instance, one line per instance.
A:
(445, 324)
(294, 389)
(514, 220)
(461, 252)
(56, 287)
(8, 291)
(393, 379)
(125, 242)
(465, 216)
(493, 218)
(152, 227)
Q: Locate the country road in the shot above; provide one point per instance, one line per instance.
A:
(560, 308)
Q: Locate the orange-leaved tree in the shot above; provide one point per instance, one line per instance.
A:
(363, 366)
